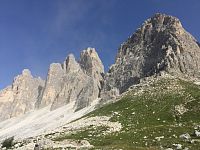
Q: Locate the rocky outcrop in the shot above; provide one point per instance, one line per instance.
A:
(73, 82)
(161, 44)
(92, 65)
(6, 99)
(53, 85)
(21, 97)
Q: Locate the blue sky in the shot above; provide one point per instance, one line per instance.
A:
(35, 33)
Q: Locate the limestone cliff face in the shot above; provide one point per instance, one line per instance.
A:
(73, 82)
(6, 99)
(160, 44)
(53, 85)
(78, 83)
(21, 97)
(92, 65)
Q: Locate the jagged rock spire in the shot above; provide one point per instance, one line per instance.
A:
(53, 85)
(26, 72)
(74, 82)
(92, 64)
(21, 96)
(70, 64)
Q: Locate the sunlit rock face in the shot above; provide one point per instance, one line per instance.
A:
(53, 85)
(21, 96)
(161, 44)
(76, 82)
(73, 82)
(92, 65)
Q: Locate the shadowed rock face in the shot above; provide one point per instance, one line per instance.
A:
(21, 97)
(160, 44)
(73, 82)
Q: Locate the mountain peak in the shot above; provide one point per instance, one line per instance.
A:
(90, 53)
(162, 15)
(160, 47)
(161, 44)
(165, 20)
(71, 57)
(26, 72)
(92, 64)
(71, 65)
(89, 50)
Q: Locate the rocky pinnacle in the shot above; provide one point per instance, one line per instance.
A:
(161, 44)
(21, 96)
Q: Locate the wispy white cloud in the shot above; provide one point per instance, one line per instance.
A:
(68, 14)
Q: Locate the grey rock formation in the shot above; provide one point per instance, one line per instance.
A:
(78, 83)
(73, 82)
(161, 44)
(53, 85)
(92, 65)
(21, 97)
(6, 99)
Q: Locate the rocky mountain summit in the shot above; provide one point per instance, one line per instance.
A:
(161, 44)
(70, 82)
(73, 82)
(160, 47)
(21, 96)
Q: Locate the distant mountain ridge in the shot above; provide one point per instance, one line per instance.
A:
(161, 45)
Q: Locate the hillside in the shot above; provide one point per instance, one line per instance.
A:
(159, 113)
(152, 116)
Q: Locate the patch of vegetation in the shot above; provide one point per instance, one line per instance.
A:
(147, 113)
(8, 143)
(89, 133)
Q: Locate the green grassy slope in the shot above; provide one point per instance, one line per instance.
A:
(165, 107)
